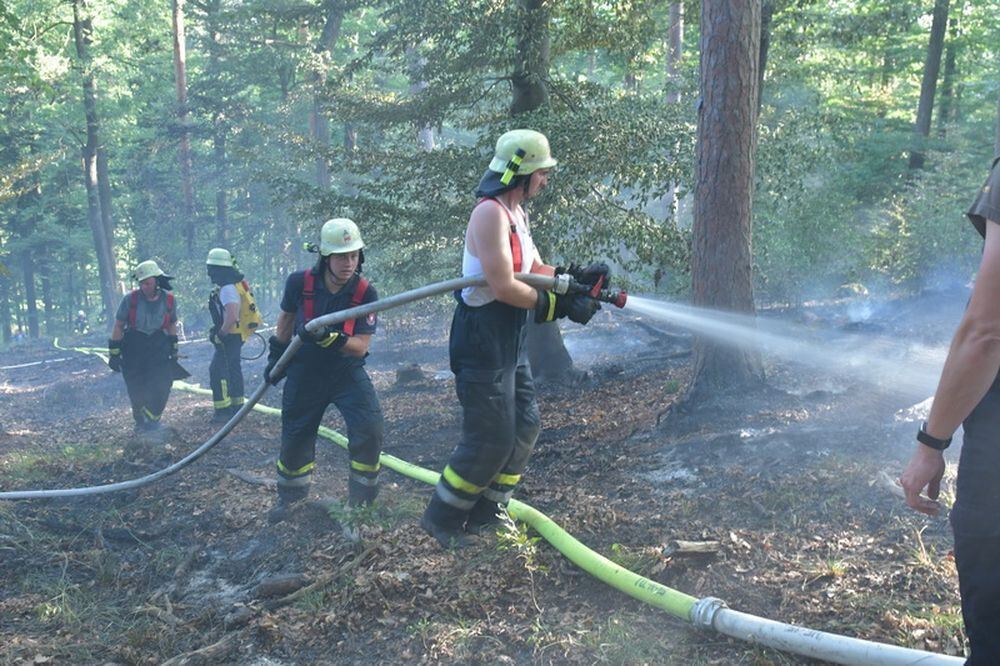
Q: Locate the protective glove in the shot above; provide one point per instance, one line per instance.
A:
(551, 306)
(589, 275)
(115, 355)
(174, 347)
(327, 339)
(214, 337)
(275, 349)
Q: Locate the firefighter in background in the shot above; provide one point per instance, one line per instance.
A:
(328, 368)
(500, 420)
(143, 345)
(234, 319)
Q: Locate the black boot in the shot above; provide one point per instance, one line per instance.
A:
(289, 501)
(484, 517)
(444, 522)
(360, 494)
(221, 416)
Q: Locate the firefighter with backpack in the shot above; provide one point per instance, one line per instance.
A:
(234, 319)
(143, 346)
(328, 368)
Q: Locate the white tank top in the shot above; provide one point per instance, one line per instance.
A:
(471, 266)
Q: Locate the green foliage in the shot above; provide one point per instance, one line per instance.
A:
(835, 202)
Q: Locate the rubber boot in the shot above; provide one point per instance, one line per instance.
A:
(221, 416)
(444, 522)
(359, 494)
(484, 517)
(289, 501)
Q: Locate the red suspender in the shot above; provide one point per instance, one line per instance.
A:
(309, 295)
(133, 306)
(359, 294)
(170, 311)
(515, 241)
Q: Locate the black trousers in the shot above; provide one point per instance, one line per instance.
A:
(500, 419)
(225, 375)
(148, 375)
(975, 520)
(309, 390)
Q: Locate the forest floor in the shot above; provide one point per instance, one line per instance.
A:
(790, 481)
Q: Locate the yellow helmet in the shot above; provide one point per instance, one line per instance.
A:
(339, 235)
(146, 269)
(218, 256)
(521, 152)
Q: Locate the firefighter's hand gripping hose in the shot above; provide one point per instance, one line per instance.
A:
(707, 612)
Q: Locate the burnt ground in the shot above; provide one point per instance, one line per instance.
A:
(788, 480)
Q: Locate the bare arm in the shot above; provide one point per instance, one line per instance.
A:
(972, 365)
(285, 326)
(231, 313)
(118, 332)
(488, 239)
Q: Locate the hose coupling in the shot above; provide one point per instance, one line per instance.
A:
(704, 610)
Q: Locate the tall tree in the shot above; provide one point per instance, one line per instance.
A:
(97, 216)
(928, 85)
(727, 139)
(184, 147)
(319, 124)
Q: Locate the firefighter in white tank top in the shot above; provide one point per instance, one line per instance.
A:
(500, 420)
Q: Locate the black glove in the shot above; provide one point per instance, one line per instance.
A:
(551, 306)
(275, 349)
(174, 347)
(214, 337)
(589, 275)
(115, 355)
(326, 339)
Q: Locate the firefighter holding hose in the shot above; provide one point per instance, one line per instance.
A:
(329, 368)
(500, 419)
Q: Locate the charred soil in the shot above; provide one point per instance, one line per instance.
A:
(790, 487)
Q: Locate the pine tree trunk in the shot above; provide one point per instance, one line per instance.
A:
(30, 297)
(5, 308)
(319, 124)
(928, 85)
(721, 274)
(184, 146)
(99, 221)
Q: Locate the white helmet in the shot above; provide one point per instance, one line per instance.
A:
(338, 236)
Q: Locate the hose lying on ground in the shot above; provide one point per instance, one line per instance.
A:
(707, 612)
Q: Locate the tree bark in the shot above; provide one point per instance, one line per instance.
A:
(319, 124)
(721, 273)
(928, 85)
(425, 131)
(766, 14)
(184, 145)
(30, 297)
(99, 220)
(675, 38)
(948, 79)
(5, 307)
(531, 69)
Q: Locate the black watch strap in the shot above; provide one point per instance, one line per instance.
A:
(929, 440)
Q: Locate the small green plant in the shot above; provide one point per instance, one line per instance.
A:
(513, 537)
(671, 386)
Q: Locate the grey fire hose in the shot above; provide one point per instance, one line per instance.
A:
(325, 321)
(706, 613)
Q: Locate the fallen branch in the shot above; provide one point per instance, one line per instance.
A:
(679, 547)
(208, 654)
(320, 583)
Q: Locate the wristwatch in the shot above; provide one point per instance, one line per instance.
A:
(927, 439)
